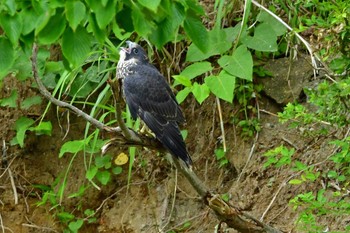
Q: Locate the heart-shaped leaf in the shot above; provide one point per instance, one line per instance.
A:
(239, 64)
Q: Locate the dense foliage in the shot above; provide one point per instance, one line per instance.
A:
(79, 43)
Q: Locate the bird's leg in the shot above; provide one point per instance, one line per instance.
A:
(145, 130)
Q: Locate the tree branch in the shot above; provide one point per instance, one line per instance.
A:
(122, 135)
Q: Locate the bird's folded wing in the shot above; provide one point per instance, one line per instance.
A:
(151, 94)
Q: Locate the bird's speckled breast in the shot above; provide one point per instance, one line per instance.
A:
(125, 68)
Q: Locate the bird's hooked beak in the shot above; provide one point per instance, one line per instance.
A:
(130, 44)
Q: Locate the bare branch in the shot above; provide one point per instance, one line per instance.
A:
(57, 102)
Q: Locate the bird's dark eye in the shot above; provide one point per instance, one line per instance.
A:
(135, 50)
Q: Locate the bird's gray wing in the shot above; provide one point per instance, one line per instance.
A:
(150, 92)
(149, 96)
(168, 133)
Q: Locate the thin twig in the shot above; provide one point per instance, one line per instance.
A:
(116, 92)
(39, 227)
(13, 185)
(55, 101)
(12, 180)
(284, 183)
(4, 162)
(59, 103)
(172, 203)
(290, 143)
(2, 224)
(251, 152)
(252, 149)
(187, 220)
(221, 124)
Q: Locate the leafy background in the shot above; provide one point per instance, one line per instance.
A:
(212, 52)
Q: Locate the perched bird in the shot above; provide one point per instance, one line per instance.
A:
(149, 97)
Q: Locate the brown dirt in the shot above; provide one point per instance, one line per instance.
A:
(158, 199)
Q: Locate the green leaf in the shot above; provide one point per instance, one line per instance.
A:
(43, 19)
(7, 56)
(76, 45)
(102, 161)
(332, 174)
(219, 153)
(81, 87)
(342, 178)
(277, 26)
(104, 12)
(54, 67)
(10, 101)
(152, 5)
(30, 101)
(299, 165)
(91, 173)
(117, 170)
(89, 212)
(184, 80)
(166, 29)
(264, 39)
(195, 29)
(240, 64)
(12, 25)
(21, 126)
(65, 216)
(181, 95)
(196, 69)
(184, 133)
(98, 33)
(45, 127)
(53, 29)
(30, 20)
(119, 32)
(220, 40)
(72, 147)
(80, 192)
(141, 24)
(22, 68)
(200, 92)
(295, 181)
(103, 177)
(11, 6)
(75, 225)
(222, 85)
(75, 13)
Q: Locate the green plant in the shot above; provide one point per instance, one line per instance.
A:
(331, 101)
(279, 156)
(220, 155)
(327, 110)
(24, 124)
(49, 195)
(312, 207)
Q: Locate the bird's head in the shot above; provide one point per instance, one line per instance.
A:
(133, 52)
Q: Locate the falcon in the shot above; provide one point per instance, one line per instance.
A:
(149, 96)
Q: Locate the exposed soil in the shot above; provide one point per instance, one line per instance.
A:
(158, 199)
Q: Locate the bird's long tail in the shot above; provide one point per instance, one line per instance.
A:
(173, 141)
(168, 133)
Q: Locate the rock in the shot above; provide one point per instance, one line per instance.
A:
(289, 77)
